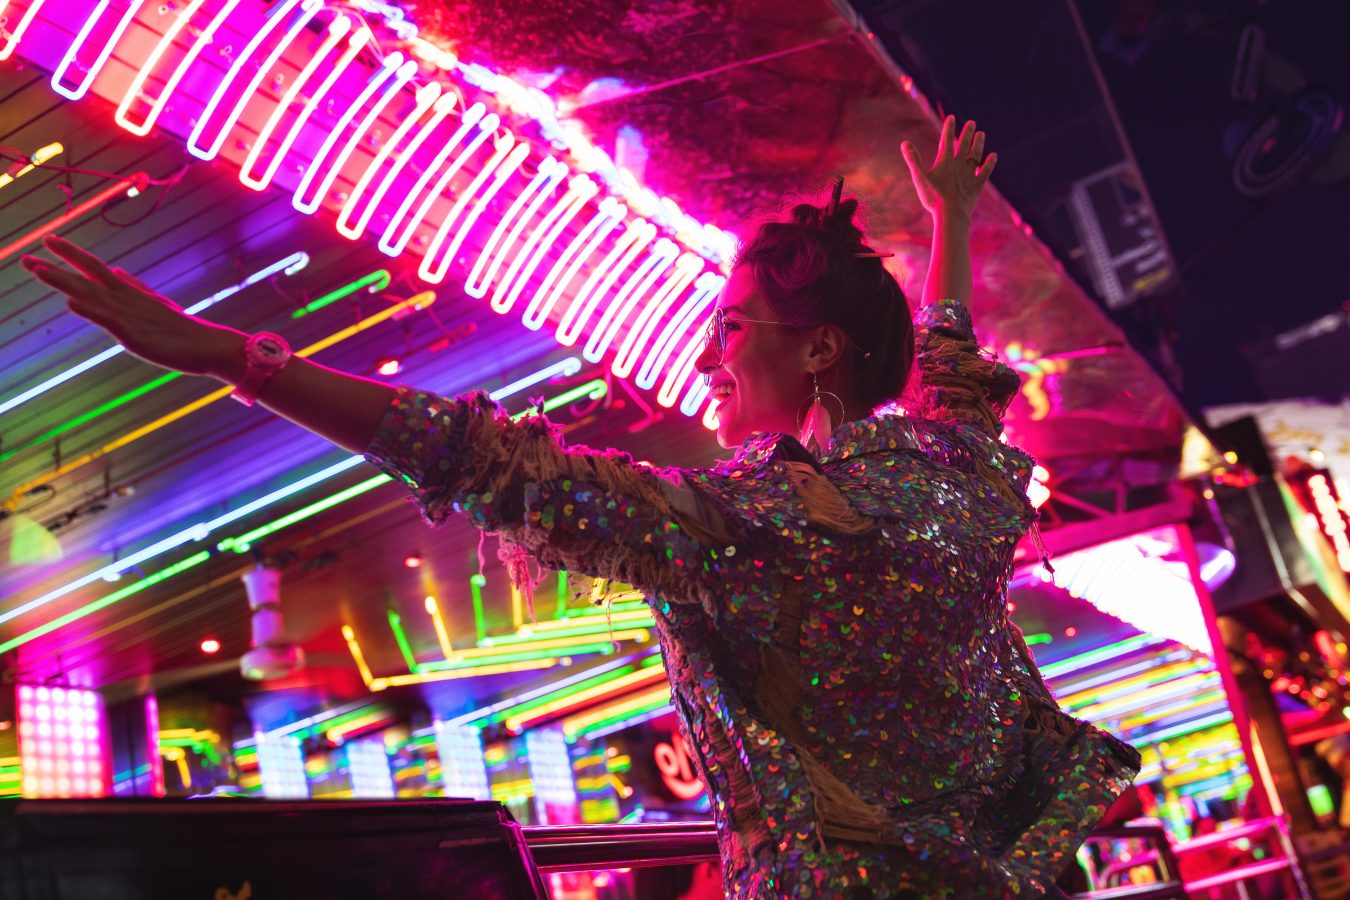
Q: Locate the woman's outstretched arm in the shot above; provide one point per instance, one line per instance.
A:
(345, 409)
(949, 191)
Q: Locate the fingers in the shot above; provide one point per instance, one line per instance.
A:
(977, 147)
(84, 261)
(913, 159)
(131, 280)
(947, 138)
(964, 142)
(982, 174)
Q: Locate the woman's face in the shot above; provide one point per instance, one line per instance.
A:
(761, 380)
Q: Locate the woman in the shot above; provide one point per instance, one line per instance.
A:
(867, 721)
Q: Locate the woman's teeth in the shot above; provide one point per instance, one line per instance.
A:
(722, 392)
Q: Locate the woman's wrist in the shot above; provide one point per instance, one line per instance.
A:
(225, 354)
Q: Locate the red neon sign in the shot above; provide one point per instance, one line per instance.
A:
(672, 760)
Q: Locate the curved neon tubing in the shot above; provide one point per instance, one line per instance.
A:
(605, 220)
(104, 53)
(602, 278)
(687, 268)
(291, 264)
(17, 32)
(682, 370)
(138, 84)
(682, 323)
(428, 97)
(340, 28)
(580, 191)
(637, 286)
(550, 173)
(694, 397)
(275, 18)
(394, 71)
(393, 243)
(436, 263)
(709, 420)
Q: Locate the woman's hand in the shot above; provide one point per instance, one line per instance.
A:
(953, 184)
(150, 326)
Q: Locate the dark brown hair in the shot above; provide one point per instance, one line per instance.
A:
(805, 263)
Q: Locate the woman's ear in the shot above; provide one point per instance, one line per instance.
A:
(828, 345)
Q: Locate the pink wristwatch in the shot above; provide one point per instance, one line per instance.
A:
(266, 354)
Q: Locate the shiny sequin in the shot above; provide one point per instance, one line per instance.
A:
(835, 631)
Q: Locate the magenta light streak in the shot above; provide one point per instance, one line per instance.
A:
(580, 191)
(686, 321)
(16, 33)
(687, 268)
(436, 262)
(550, 174)
(601, 281)
(277, 16)
(606, 218)
(629, 296)
(71, 57)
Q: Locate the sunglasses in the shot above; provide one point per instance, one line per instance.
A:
(716, 337)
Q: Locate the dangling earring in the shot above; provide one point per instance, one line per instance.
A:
(815, 424)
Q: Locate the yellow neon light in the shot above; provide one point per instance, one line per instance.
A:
(619, 618)
(641, 635)
(380, 684)
(169, 418)
(1102, 693)
(346, 728)
(349, 636)
(442, 636)
(1206, 699)
(618, 686)
(1156, 695)
(574, 725)
(517, 608)
(38, 158)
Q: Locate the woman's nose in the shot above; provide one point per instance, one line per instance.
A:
(708, 359)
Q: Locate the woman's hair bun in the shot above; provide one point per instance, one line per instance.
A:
(840, 223)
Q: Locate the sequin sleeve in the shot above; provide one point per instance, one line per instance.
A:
(959, 381)
(597, 513)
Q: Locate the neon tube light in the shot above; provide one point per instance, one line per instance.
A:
(337, 30)
(554, 694)
(198, 531)
(138, 90)
(578, 678)
(397, 74)
(602, 278)
(39, 156)
(680, 373)
(1101, 654)
(354, 648)
(594, 389)
(687, 268)
(605, 220)
(222, 393)
(244, 542)
(550, 174)
(569, 366)
(1110, 677)
(275, 17)
(290, 265)
(139, 180)
(82, 87)
(634, 289)
(643, 702)
(90, 608)
(401, 638)
(375, 281)
(16, 33)
(526, 644)
(386, 682)
(704, 294)
(579, 192)
(602, 730)
(509, 655)
(392, 242)
(572, 700)
(427, 98)
(438, 621)
(436, 262)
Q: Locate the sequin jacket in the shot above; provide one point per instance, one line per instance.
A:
(866, 719)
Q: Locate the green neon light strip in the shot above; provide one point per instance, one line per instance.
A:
(404, 647)
(1091, 657)
(626, 715)
(346, 290)
(91, 414)
(1039, 638)
(201, 748)
(575, 631)
(243, 543)
(561, 608)
(591, 390)
(89, 608)
(446, 665)
(625, 606)
(518, 709)
(476, 583)
(1183, 729)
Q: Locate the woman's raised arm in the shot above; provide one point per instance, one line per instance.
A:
(345, 409)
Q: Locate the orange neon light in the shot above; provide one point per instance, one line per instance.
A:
(574, 725)
(614, 688)
(139, 181)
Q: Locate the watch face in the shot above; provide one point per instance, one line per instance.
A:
(270, 350)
